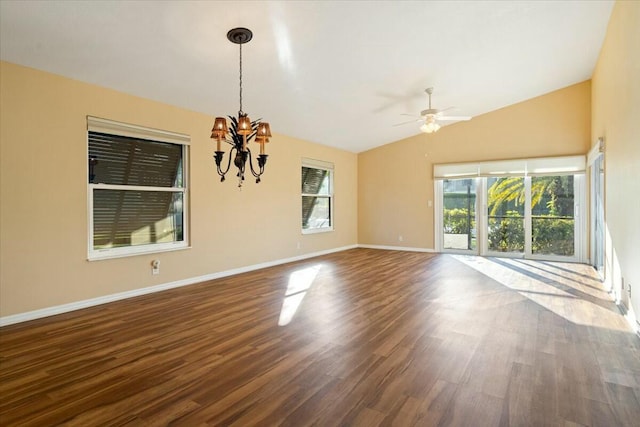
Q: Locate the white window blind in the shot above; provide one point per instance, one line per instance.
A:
(450, 171)
(516, 167)
(596, 151)
(503, 168)
(95, 124)
(556, 165)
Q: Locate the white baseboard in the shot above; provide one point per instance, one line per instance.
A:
(64, 308)
(397, 248)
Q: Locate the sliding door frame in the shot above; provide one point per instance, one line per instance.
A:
(597, 228)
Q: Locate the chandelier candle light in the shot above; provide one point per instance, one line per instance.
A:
(242, 129)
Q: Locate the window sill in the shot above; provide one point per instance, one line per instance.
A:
(317, 230)
(98, 255)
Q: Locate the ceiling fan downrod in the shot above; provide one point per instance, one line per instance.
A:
(429, 91)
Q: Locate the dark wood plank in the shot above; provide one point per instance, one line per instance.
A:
(374, 338)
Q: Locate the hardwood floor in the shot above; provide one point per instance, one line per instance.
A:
(361, 337)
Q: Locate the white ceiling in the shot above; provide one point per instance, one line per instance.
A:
(338, 73)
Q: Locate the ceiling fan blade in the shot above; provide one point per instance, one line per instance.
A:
(446, 109)
(454, 118)
(411, 115)
(410, 121)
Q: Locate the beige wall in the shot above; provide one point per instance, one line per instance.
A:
(395, 181)
(616, 117)
(43, 213)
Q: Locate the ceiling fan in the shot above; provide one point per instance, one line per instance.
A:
(433, 118)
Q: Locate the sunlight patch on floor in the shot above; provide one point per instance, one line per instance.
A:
(299, 283)
(565, 295)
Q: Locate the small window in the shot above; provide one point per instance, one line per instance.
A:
(137, 190)
(317, 196)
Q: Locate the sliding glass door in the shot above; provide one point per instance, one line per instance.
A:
(553, 221)
(506, 215)
(459, 214)
(533, 217)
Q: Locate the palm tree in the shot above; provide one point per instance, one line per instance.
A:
(511, 189)
(552, 221)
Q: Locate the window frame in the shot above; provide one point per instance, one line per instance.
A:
(110, 127)
(321, 165)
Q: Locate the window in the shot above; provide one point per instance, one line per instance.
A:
(137, 189)
(317, 196)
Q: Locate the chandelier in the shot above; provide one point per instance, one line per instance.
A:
(242, 129)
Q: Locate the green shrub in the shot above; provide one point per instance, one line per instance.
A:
(506, 234)
(457, 221)
(552, 235)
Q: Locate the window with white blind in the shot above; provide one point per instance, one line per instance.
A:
(527, 208)
(137, 189)
(317, 196)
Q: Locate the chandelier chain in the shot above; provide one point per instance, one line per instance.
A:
(241, 112)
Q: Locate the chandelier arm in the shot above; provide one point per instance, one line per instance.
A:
(220, 172)
(253, 172)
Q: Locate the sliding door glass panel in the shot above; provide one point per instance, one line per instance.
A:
(505, 219)
(459, 214)
(552, 215)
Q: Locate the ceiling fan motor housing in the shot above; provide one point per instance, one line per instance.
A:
(429, 112)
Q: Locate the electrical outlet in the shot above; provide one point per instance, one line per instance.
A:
(155, 267)
(400, 238)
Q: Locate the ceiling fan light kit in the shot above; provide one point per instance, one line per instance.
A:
(430, 125)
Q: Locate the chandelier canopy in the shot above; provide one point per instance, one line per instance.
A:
(242, 129)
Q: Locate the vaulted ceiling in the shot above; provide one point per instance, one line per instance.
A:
(338, 73)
